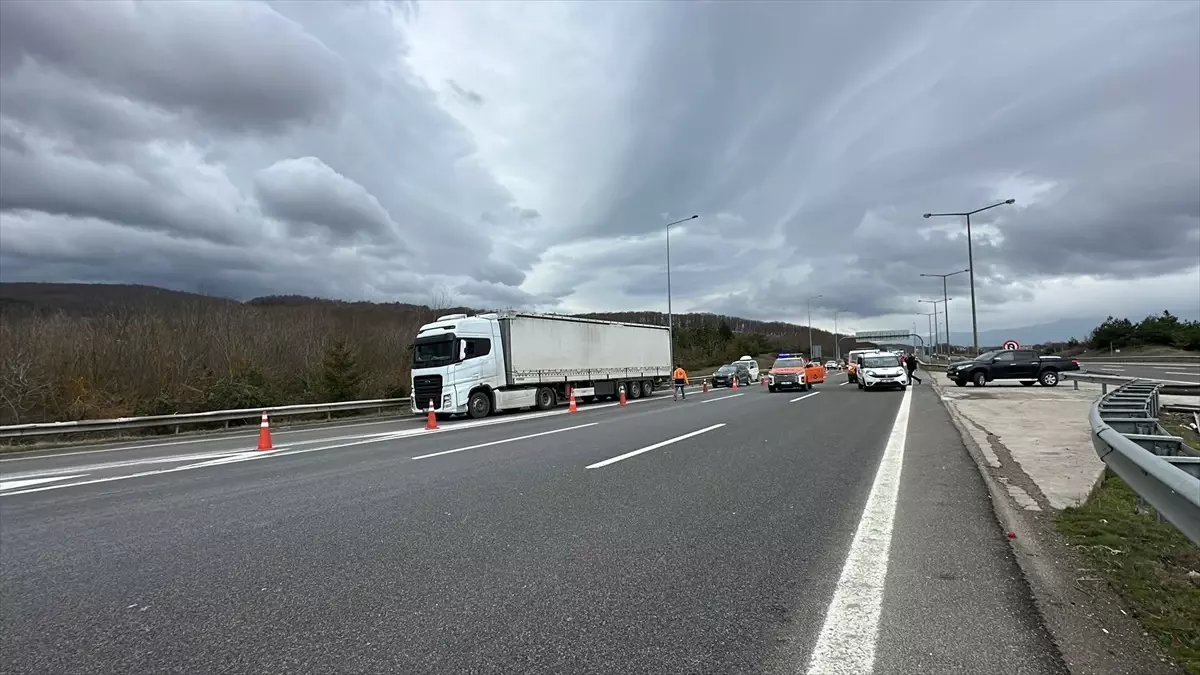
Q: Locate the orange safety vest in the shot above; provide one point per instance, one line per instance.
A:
(680, 374)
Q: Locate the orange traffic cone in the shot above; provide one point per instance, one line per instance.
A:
(735, 384)
(571, 397)
(264, 434)
(764, 382)
(431, 422)
(705, 390)
(621, 398)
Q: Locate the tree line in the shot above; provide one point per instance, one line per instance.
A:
(152, 354)
(1163, 330)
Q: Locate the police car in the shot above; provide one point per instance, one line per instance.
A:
(880, 370)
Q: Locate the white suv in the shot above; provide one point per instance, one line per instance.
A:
(878, 370)
(751, 365)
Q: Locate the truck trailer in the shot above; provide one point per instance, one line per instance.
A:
(479, 365)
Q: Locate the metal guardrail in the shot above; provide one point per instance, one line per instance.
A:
(1139, 359)
(188, 419)
(1105, 381)
(183, 419)
(1160, 467)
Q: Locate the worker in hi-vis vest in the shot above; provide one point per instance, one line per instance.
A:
(681, 378)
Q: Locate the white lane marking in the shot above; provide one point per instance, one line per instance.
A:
(91, 468)
(723, 398)
(847, 640)
(14, 484)
(504, 440)
(233, 439)
(844, 383)
(801, 398)
(1177, 372)
(656, 446)
(374, 438)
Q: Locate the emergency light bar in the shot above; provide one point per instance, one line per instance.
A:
(782, 355)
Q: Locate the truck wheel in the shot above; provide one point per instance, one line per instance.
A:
(647, 388)
(961, 383)
(1049, 378)
(633, 390)
(479, 405)
(772, 388)
(1027, 383)
(545, 399)
(979, 379)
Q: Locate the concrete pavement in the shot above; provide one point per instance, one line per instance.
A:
(732, 533)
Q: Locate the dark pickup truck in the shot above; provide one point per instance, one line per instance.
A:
(1024, 365)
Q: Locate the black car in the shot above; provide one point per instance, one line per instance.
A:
(726, 374)
(1023, 365)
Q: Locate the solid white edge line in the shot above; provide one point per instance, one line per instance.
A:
(648, 448)
(846, 643)
(801, 398)
(844, 383)
(505, 440)
(26, 482)
(723, 398)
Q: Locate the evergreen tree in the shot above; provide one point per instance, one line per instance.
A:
(340, 376)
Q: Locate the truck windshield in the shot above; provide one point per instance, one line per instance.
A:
(434, 351)
(987, 356)
(788, 363)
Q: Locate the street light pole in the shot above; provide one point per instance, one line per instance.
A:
(935, 303)
(946, 300)
(670, 316)
(971, 261)
(930, 319)
(837, 344)
(810, 342)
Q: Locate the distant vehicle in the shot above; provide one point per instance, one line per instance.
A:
(483, 364)
(814, 373)
(788, 372)
(852, 365)
(831, 365)
(752, 366)
(1024, 365)
(879, 370)
(726, 374)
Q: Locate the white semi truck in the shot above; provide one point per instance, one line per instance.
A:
(478, 365)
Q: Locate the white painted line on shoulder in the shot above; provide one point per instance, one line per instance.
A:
(847, 640)
(844, 383)
(648, 448)
(1176, 372)
(90, 468)
(505, 440)
(14, 484)
(723, 398)
(801, 398)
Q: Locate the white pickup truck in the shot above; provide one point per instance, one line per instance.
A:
(478, 365)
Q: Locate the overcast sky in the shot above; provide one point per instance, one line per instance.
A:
(529, 154)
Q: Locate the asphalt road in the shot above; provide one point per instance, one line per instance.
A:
(838, 532)
(1168, 372)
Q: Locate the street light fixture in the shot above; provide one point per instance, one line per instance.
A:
(971, 260)
(933, 334)
(670, 317)
(946, 299)
(810, 342)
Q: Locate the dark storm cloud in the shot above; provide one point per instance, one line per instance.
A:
(375, 149)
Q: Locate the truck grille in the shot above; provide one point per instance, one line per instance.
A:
(426, 388)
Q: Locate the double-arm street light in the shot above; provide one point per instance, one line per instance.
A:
(971, 260)
(932, 320)
(933, 334)
(670, 318)
(810, 342)
(946, 300)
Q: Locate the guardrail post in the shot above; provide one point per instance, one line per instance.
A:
(1103, 388)
(1076, 383)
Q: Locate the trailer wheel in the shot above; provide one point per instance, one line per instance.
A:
(633, 389)
(545, 398)
(479, 405)
(647, 388)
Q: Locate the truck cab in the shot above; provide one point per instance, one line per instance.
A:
(452, 356)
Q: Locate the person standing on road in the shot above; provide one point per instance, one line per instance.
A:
(910, 363)
(681, 379)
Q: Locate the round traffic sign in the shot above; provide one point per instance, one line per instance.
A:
(1012, 344)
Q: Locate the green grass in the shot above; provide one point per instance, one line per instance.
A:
(1176, 423)
(1145, 561)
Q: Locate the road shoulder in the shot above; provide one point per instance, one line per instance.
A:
(1093, 632)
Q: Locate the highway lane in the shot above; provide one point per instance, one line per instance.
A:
(721, 552)
(113, 458)
(1173, 372)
